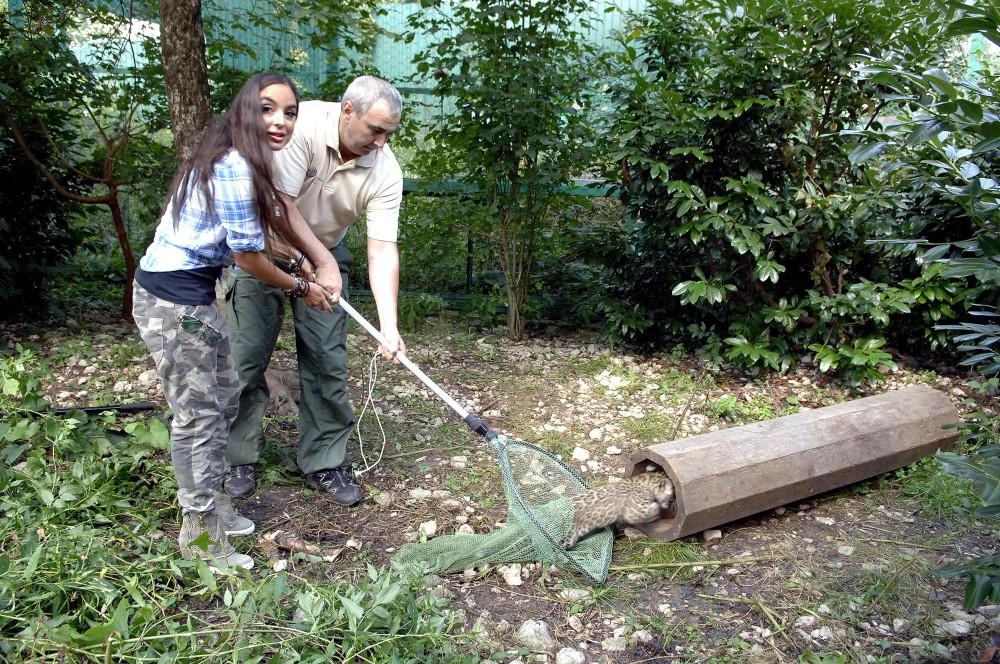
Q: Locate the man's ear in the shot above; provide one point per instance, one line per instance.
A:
(347, 108)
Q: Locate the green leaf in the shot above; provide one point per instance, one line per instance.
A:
(865, 151)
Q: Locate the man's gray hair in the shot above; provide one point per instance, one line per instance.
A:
(364, 91)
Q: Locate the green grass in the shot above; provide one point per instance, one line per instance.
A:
(654, 427)
(650, 552)
(941, 496)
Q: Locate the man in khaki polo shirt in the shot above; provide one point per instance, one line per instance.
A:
(336, 166)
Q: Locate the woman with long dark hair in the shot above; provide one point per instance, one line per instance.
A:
(222, 209)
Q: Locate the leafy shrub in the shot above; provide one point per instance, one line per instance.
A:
(943, 148)
(748, 217)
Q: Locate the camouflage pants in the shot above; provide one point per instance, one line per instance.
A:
(191, 350)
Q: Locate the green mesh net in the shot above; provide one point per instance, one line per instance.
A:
(538, 488)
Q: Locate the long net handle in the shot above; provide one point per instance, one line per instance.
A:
(405, 361)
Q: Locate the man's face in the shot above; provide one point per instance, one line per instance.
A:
(361, 134)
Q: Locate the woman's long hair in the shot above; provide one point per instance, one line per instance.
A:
(242, 128)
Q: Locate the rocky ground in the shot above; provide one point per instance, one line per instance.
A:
(843, 577)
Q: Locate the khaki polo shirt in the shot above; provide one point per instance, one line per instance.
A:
(330, 194)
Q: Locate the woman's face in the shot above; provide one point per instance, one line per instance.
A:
(279, 110)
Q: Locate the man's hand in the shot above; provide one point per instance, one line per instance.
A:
(328, 276)
(395, 346)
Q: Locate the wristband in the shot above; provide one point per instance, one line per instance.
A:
(299, 287)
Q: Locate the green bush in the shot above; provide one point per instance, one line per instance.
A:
(749, 220)
(943, 149)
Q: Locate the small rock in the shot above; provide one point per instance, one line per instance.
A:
(148, 377)
(825, 520)
(575, 623)
(644, 636)
(778, 511)
(824, 633)
(534, 634)
(420, 494)
(614, 644)
(465, 529)
(952, 627)
(452, 504)
(428, 528)
(898, 624)
(805, 621)
(574, 594)
(353, 544)
(511, 574)
(633, 533)
(580, 454)
(570, 656)
(845, 550)
(824, 609)
(383, 498)
(613, 451)
(280, 565)
(596, 433)
(712, 535)
(989, 611)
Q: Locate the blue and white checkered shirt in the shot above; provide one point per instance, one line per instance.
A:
(208, 238)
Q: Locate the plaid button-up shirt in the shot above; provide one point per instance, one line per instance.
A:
(208, 238)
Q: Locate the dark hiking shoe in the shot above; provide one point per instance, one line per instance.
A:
(242, 480)
(338, 485)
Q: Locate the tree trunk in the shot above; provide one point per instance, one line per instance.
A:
(185, 73)
(116, 214)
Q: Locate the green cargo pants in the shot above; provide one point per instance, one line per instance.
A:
(255, 313)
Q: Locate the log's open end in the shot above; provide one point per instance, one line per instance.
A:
(667, 526)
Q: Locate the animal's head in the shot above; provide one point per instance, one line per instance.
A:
(663, 492)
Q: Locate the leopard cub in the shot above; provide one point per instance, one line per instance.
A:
(636, 499)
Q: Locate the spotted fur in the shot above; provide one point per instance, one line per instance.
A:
(636, 499)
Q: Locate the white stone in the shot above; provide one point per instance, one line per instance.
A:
(898, 624)
(575, 623)
(383, 498)
(353, 544)
(952, 627)
(845, 550)
(613, 451)
(570, 656)
(574, 594)
(824, 633)
(633, 533)
(779, 511)
(465, 529)
(644, 636)
(511, 574)
(428, 528)
(580, 454)
(148, 377)
(825, 520)
(534, 634)
(805, 621)
(614, 644)
(712, 535)
(420, 494)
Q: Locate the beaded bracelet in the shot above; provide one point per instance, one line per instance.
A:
(300, 287)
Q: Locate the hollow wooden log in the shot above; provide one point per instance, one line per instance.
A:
(730, 474)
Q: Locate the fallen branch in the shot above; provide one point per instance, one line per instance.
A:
(704, 563)
(280, 539)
